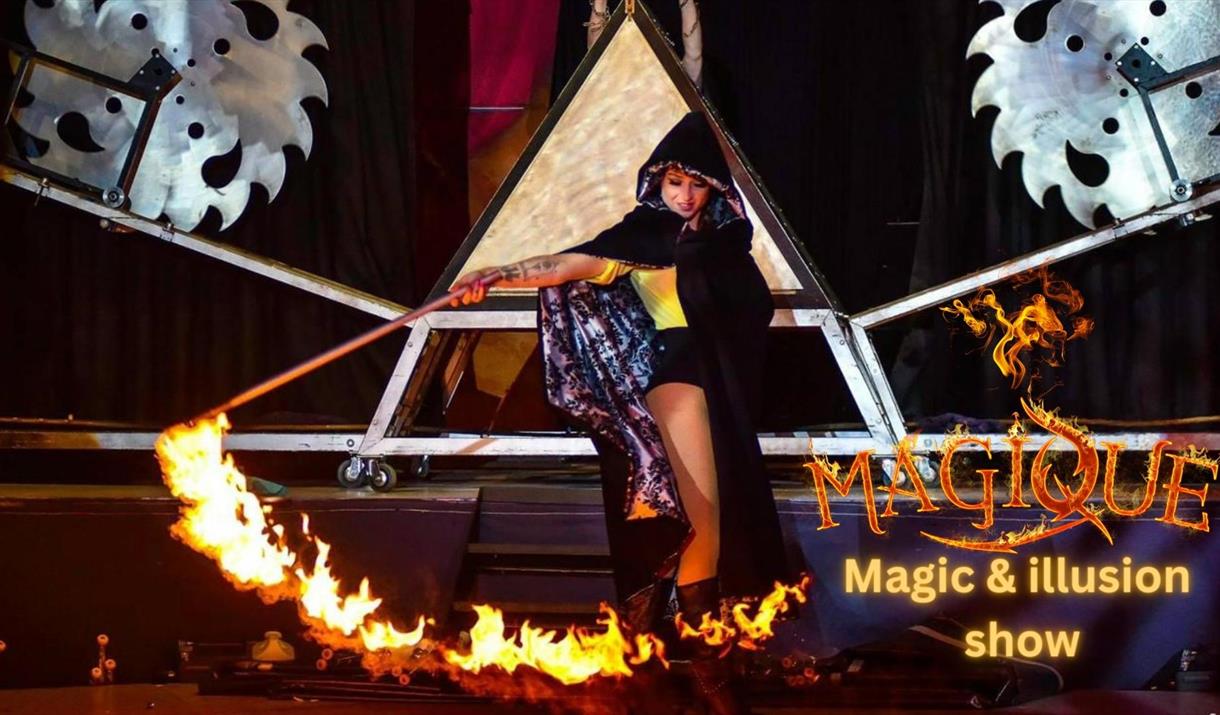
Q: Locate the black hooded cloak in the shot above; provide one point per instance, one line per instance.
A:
(597, 354)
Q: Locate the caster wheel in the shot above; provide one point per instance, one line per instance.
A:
(928, 469)
(890, 474)
(420, 466)
(115, 197)
(383, 478)
(351, 474)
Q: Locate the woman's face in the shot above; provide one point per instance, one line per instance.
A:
(684, 194)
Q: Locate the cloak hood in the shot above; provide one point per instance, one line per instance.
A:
(691, 147)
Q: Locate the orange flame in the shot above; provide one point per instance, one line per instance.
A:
(1037, 323)
(578, 656)
(745, 631)
(1009, 541)
(222, 519)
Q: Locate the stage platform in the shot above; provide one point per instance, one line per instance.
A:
(91, 559)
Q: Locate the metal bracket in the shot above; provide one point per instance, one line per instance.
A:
(1143, 72)
(1139, 68)
(149, 93)
(157, 76)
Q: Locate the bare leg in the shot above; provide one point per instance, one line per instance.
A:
(681, 414)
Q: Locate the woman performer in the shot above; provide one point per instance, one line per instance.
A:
(665, 370)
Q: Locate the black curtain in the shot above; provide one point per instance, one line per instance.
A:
(124, 327)
(857, 118)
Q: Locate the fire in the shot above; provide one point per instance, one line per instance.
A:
(578, 656)
(319, 596)
(1009, 541)
(383, 636)
(222, 519)
(1036, 324)
(746, 631)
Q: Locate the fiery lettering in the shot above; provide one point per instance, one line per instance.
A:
(1175, 489)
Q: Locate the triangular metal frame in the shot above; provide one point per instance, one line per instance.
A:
(810, 304)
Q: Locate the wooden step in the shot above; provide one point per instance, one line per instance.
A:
(579, 550)
(541, 494)
(527, 607)
(574, 559)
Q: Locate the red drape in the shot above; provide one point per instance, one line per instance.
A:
(510, 44)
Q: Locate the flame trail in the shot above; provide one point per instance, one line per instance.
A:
(223, 520)
(741, 629)
(578, 656)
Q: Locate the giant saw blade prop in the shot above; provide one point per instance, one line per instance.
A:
(1060, 95)
(234, 89)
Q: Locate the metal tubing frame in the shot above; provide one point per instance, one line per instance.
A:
(847, 337)
(866, 379)
(344, 442)
(149, 97)
(849, 342)
(844, 444)
(852, 351)
(379, 426)
(468, 445)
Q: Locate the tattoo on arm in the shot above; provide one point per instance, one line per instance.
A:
(531, 271)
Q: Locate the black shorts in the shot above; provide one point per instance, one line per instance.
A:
(676, 359)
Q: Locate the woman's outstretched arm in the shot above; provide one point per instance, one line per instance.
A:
(535, 272)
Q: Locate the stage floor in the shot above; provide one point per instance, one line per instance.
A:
(100, 559)
(183, 700)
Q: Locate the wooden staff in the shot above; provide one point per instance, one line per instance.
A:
(339, 351)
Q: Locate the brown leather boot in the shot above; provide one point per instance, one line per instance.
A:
(713, 674)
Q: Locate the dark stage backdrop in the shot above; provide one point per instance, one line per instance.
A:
(107, 326)
(856, 115)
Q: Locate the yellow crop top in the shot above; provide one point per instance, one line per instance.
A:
(657, 287)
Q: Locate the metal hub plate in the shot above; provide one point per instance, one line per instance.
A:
(1064, 88)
